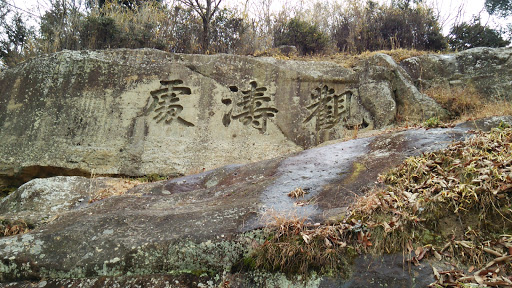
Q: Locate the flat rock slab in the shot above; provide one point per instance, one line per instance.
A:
(200, 223)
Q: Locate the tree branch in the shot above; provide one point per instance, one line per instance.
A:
(216, 3)
(197, 8)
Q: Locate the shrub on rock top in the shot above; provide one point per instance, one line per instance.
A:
(305, 36)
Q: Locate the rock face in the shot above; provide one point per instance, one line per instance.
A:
(139, 112)
(202, 225)
(489, 70)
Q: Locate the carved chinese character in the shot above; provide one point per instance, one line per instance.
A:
(254, 108)
(166, 102)
(328, 107)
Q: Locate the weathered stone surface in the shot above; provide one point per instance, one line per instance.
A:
(42, 199)
(389, 93)
(139, 112)
(489, 70)
(378, 97)
(205, 223)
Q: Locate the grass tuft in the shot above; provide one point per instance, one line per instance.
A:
(11, 228)
(457, 100)
(297, 247)
(115, 188)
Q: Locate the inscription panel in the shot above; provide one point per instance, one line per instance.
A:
(251, 107)
(328, 108)
(166, 102)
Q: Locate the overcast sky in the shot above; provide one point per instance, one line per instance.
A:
(448, 9)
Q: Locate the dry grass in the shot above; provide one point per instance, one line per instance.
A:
(297, 193)
(397, 54)
(466, 103)
(460, 199)
(299, 247)
(457, 100)
(8, 228)
(453, 205)
(115, 188)
(497, 108)
(345, 59)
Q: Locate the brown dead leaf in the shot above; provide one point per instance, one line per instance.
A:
(493, 252)
(437, 255)
(499, 260)
(436, 273)
(422, 254)
(479, 279)
(386, 226)
(504, 189)
(342, 244)
(418, 250)
(305, 237)
(327, 243)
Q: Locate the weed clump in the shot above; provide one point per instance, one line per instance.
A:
(297, 247)
(434, 122)
(297, 193)
(457, 100)
(467, 103)
(11, 228)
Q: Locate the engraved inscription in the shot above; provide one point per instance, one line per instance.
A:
(254, 107)
(166, 103)
(328, 108)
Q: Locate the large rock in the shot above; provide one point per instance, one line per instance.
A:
(488, 70)
(139, 112)
(203, 225)
(40, 200)
(389, 93)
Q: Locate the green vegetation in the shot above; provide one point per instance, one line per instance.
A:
(305, 36)
(454, 205)
(500, 7)
(433, 122)
(473, 34)
(205, 26)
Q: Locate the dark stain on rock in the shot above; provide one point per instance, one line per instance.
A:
(25, 174)
(146, 129)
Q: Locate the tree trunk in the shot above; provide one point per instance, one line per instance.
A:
(206, 36)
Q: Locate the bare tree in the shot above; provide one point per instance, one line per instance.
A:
(206, 10)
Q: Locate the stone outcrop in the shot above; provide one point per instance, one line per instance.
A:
(387, 91)
(198, 228)
(140, 112)
(488, 70)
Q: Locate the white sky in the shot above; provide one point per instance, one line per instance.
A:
(448, 9)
